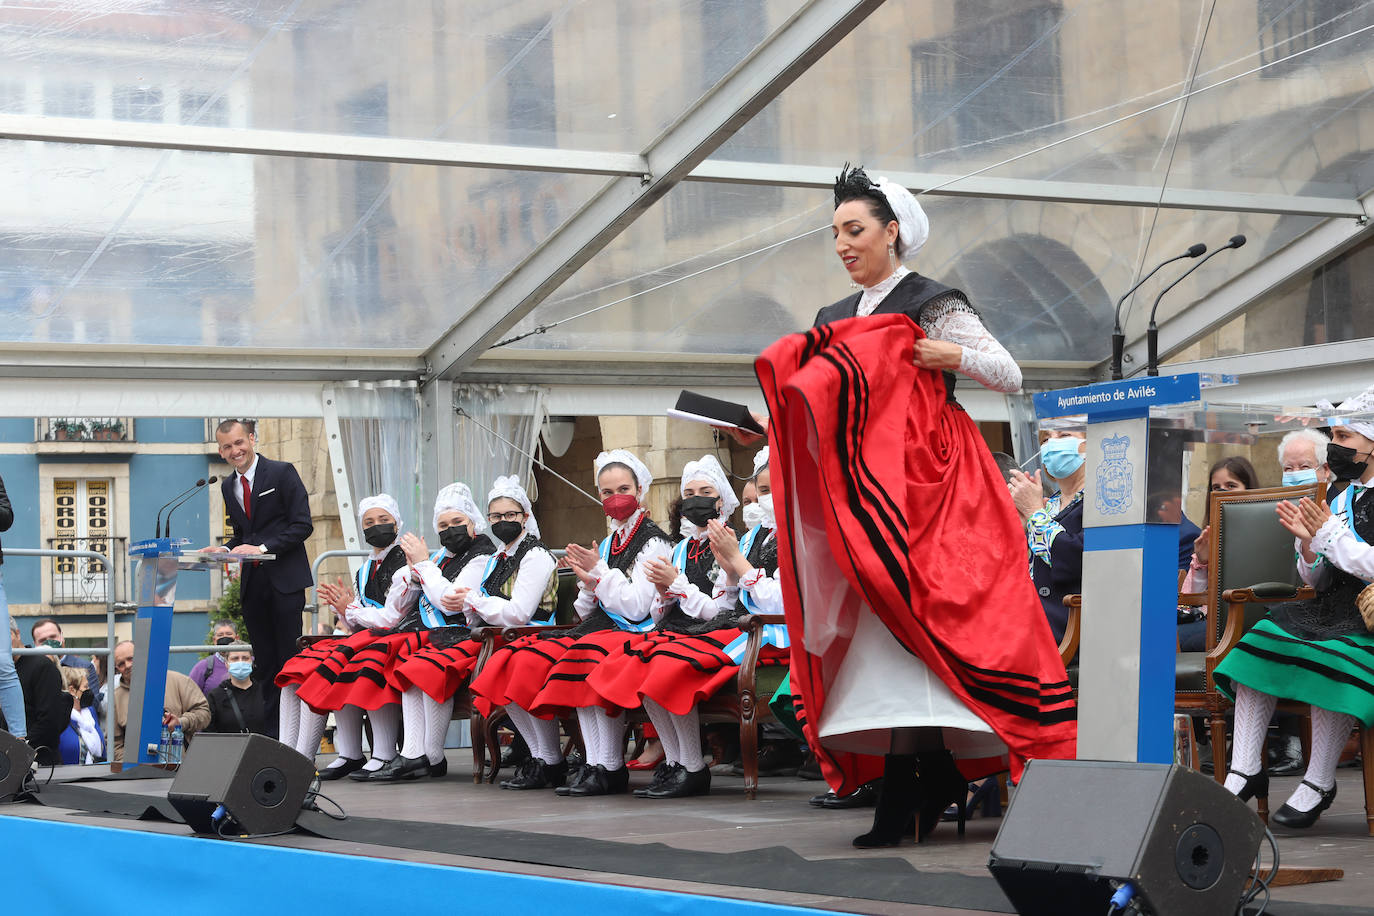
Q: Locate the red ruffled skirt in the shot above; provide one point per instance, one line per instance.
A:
(674, 670)
(516, 672)
(358, 672)
(303, 664)
(567, 685)
(438, 672)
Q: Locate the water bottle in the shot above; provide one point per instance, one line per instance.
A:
(164, 745)
(178, 740)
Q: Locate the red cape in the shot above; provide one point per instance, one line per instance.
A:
(867, 448)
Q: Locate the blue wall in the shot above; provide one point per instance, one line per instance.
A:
(154, 479)
(158, 429)
(16, 429)
(23, 575)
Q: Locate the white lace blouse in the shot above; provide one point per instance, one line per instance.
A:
(951, 318)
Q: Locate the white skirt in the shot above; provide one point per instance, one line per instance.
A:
(881, 686)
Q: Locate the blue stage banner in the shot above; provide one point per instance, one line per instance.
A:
(1118, 400)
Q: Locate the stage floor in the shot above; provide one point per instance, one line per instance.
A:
(951, 879)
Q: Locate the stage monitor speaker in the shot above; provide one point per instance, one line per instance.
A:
(16, 762)
(1077, 829)
(261, 784)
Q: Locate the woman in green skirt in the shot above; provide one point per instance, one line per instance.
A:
(1318, 651)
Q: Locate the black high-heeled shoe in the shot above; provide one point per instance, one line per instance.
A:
(1256, 785)
(898, 801)
(943, 785)
(1289, 816)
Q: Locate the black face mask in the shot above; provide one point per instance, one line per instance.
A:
(505, 532)
(700, 509)
(1341, 460)
(456, 539)
(380, 536)
(87, 699)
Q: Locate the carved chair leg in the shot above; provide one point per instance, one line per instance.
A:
(1262, 804)
(1367, 766)
(749, 757)
(477, 730)
(494, 742)
(1217, 722)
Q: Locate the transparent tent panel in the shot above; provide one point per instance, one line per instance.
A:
(717, 268)
(544, 73)
(1087, 92)
(103, 245)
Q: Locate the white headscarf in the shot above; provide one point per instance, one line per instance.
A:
(619, 456)
(708, 470)
(382, 501)
(456, 497)
(760, 462)
(509, 488)
(1363, 403)
(913, 227)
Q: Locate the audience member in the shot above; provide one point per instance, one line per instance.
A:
(210, 671)
(236, 703)
(1228, 475)
(1302, 456)
(183, 703)
(47, 706)
(82, 741)
(11, 697)
(1054, 525)
(48, 632)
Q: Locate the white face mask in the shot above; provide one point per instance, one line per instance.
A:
(753, 515)
(688, 530)
(766, 504)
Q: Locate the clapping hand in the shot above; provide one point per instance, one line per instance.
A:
(454, 599)
(337, 595)
(1202, 546)
(726, 549)
(583, 560)
(1290, 517)
(1026, 493)
(414, 548)
(660, 572)
(1314, 513)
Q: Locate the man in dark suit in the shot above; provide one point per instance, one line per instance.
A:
(270, 512)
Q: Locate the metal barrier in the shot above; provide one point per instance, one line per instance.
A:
(315, 574)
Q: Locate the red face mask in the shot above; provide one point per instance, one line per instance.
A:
(620, 506)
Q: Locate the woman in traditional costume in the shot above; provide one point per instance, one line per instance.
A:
(1316, 651)
(538, 677)
(915, 629)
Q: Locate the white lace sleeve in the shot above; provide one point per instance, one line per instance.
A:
(984, 360)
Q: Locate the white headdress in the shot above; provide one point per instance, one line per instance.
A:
(509, 488)
(708, 469)
(913, 228)
(1363, 403)
(382, 501)
(619, 456)
(760, 461)
(456, 497)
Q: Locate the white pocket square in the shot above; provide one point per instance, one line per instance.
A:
(265, 492)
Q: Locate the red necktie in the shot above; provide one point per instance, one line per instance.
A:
(247, 497)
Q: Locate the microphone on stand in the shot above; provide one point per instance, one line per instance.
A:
(167, 532)
(1118, 338)
(157, 525)
(1152, 331)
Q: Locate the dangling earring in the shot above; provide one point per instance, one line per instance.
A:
(892, 256)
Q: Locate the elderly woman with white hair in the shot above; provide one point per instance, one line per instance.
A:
(514, 585)
(1302, 456)
(1316, 651)
(536, 678)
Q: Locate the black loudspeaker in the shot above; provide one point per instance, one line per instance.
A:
(16, 761)
(261, 784)
(1076, 829)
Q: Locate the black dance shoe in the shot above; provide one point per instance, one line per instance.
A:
(898, 801)
(942, 785)
(349, 765)
(1256, 785)
(1289, 816)
(536, 774)
(866, 796)
(577, 774)
(369, 775)
(600, 781)
(395, 769)
(682, 783)
(661, 772)
(438, 770)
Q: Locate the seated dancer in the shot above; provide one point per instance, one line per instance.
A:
(549, 673)
(1314, 651)
(514, 586)
(697, 646)
(351, 678)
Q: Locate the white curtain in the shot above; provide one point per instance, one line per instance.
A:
(379, 423)
(496, 430)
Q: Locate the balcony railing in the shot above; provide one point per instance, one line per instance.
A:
(80, 580)
(86, 429)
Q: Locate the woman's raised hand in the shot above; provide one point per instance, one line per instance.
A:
(726, 549)
(582, 557)
(1026, 493)
(1314, 513)
(1290, 517)
(414, 548)
(660, 572)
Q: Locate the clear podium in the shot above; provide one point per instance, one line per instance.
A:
(1138, 431)
(158, 563)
